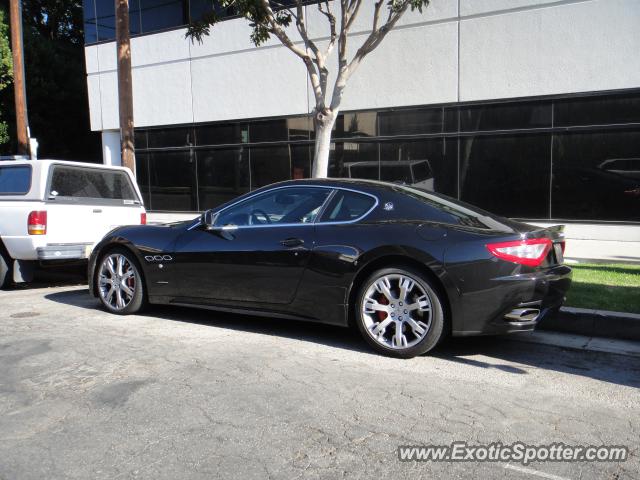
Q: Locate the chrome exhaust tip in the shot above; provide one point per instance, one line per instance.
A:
(523, 315)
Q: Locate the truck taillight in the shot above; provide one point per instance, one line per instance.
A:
(530, 252)
(37, 223)
(143, 219)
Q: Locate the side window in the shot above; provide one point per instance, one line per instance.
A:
(282, 206)
(105, 185)
(346, 206)
(15, 180)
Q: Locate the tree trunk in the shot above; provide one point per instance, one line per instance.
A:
(323, 127)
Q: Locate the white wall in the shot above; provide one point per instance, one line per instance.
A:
(489, 49)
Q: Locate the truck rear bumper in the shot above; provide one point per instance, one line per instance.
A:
(67, 251)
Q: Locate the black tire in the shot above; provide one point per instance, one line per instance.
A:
(5, 269)
(436, 321)
(139, 299)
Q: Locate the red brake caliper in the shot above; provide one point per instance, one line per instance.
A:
(382, 301)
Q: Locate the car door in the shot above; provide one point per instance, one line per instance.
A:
(257, 250)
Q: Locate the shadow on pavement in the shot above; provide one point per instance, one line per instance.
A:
(498, 352)
(62, 276)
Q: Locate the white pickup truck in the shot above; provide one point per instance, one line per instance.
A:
(54, 211)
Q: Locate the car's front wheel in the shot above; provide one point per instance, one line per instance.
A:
(119, 282)
(399, 313)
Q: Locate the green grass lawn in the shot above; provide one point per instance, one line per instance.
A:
(605, 287)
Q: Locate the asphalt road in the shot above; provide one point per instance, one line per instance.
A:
(179, 393)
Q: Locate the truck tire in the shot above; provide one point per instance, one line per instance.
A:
(5, 269)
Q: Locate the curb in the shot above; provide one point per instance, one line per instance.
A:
(580, 342)
(593, 323)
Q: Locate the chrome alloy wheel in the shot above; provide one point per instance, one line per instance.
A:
(397, 311)
(117, 281)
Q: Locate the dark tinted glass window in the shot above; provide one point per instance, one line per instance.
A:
(300, 128)
(597, 110)
(346, 206)
(223, 174)
(268, 131)
(505, 116)
(106, 19)
(596, 176)
(411, 122)
(221, 134)
(431, 164)
(170, 137)
(161, 14)
(90, 27)
(140, 139)
(447, 210)
(282, 206)
(172, 181)
(355, 124)
(507, 174)
(450, 121)
(135, 26)
(15, 180)
(344, 155)
(301, 159)
(198, 8)
(78, 183)
(269, 165)
(142, 176)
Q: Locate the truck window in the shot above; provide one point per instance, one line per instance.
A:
(15, 180)
(102, 186)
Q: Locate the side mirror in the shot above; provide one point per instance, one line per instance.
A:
(208, 219)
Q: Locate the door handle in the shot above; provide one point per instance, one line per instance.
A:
(292, 242)
(97, 210)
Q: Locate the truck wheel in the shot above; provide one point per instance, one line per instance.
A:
(5, 270)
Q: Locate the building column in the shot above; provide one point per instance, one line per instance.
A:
(111, 148)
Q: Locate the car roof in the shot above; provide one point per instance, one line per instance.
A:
(355, 183)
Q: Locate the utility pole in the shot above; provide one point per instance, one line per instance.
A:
(19, 89)
(125, 90)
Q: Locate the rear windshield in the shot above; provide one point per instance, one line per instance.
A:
(76, 184)
(450, 211)
(15, 180)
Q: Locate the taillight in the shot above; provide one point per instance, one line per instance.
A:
(37, 223)
(530, 252)
(143, 218)
(562, 245)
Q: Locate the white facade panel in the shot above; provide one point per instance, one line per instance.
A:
(109, 100)
(159, 48)
(257, 83)
(95, 107)
(162, 94)
(107, 58)
(573, 47)
(91, 59)
(479, 7)
(394, 75)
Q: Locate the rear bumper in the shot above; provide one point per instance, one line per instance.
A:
(520, 302)
(68, 251)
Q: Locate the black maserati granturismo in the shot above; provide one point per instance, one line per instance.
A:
(406, 266)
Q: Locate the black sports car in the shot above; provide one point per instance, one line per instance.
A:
(404, 265)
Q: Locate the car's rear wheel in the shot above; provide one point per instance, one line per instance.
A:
(5, 269)
(119, 282)
(399, 313)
